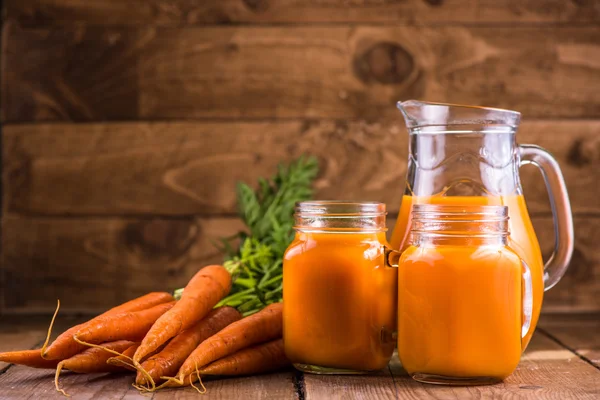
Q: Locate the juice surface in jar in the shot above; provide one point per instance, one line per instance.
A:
(522, 239)
(339, 301)
(459, 311)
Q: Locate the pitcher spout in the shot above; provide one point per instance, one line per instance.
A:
(420, 115)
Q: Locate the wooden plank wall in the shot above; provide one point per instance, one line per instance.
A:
(128, 122)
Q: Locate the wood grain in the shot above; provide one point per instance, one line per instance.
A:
(191, 12)
(114, 73)
(93, 264)
(546, 371)
(578, 332)
(266, 386)
(375, 386)
(188, 168)
(21, 383)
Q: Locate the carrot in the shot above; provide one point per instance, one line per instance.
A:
(203, 291)
(258, 328)
(123, 359)
(92, 360)
(124, 326)
(258, 359)
(64, 346)
(29, 358)
(265, 357)
(168, 361)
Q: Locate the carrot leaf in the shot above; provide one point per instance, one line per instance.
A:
(268, 213)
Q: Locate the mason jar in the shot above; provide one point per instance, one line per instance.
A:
(339, 292)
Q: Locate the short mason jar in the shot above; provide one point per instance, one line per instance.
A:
(464, 296)
(339, 293)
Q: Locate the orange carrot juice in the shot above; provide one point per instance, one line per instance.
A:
(522, 236)
(459, 311)
(339, 302)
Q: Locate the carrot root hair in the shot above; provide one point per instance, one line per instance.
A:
(168, 380)
(203, 391)
(135, 365)
(116, 361)
(50, 328)
(58, 370)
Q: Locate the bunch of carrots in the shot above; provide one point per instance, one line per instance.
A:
(168, 343)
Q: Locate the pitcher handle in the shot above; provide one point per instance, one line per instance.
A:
(527, 299)
(557, 265)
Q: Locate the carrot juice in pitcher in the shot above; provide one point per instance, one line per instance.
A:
(468, 156)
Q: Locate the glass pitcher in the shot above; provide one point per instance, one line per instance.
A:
(466, 155)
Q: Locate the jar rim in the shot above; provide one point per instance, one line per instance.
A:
(340, 208)
(345, 216)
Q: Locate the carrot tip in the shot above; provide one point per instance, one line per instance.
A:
(136, 364)
(43, 351)
(151, 385)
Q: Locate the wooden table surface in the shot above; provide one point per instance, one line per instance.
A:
(562, 362)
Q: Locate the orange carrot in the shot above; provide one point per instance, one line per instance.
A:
(265, 357)
(168, 361)
(64, 346)
(123, 359)
(258, 328)
(125, 326)
(203, 291)
(29, 358)
(92, 360)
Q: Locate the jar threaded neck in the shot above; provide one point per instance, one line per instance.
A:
(435, 221)
(340, 216)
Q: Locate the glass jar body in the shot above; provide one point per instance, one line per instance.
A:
(339, 302)
(460, 312)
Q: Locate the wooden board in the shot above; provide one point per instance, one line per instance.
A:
(579, 289)
(93, 264)
(49, 258)
(102, 73)
(269, 386)
(16, 382)
(188, 168)
(22, 382)
(374, 386)
(577, 332)
(191, 12)
(546, 371)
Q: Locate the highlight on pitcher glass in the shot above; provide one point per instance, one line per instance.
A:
(467, 156)
(464, 296)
